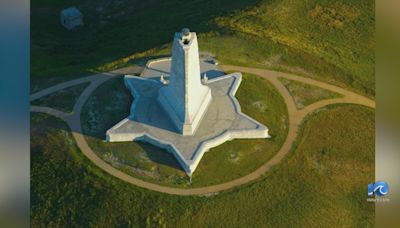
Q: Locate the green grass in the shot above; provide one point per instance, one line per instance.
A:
(68, 190)
(305, 94)
(63, 100)
(253, 51)
(226, 162)
(325, 40)
(341, 33)
(321, 183)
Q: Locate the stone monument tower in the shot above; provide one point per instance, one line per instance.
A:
(185, 99)
(183, 114)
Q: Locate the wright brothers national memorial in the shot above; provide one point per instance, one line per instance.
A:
(182, 110)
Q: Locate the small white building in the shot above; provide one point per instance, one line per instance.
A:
(71, 18)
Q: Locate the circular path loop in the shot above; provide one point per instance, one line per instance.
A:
(295, 117)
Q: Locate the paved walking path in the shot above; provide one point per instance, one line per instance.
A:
(73, 119)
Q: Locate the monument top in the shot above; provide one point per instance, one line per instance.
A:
(185, 31)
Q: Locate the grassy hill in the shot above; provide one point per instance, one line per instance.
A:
(329, 40)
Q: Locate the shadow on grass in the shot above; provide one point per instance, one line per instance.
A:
(156, 155)
(115, 33)
(160, 156)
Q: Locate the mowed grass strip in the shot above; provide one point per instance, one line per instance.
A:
(111, 102)
(63, 100)
(304, 94)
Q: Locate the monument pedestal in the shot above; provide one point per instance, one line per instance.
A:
(185, 116)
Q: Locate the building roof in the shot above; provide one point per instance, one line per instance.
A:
(71, 12)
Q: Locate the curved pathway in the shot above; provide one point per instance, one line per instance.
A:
(295, 117)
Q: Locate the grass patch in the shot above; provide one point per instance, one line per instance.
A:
(69, 190)
(340, 33)
(226, 162)
(321, 182)
(254, 51)
(304, 94)
(63, 100)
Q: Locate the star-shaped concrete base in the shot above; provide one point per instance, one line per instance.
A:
(223, 121)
